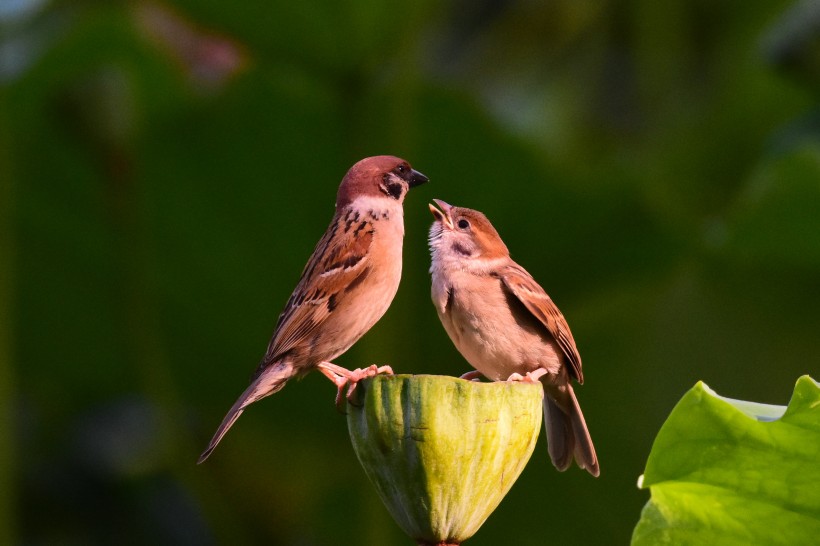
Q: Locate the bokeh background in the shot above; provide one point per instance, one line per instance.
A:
(166, 168)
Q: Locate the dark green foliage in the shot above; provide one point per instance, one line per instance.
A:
(166, 169)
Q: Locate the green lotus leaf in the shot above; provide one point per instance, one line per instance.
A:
(442, 452)
(725, 472)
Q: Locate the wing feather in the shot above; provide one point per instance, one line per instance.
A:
(338, 260)
(521, 284)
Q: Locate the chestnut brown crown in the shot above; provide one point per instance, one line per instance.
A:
(381, 175)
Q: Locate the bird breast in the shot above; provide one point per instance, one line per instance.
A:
(367, 300)
(490, 328)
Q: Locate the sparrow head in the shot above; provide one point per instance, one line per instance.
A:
(378, 176)
(463, 234)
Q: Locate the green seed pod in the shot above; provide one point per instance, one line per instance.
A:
(441, 451)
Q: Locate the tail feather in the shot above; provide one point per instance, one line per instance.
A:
(560, 439)
(269, 381)
(567, 433)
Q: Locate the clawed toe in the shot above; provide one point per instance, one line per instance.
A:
(529, 377)
(358, 374)
(363, 373)
(340, 401)
(342, 378)
(473, 375)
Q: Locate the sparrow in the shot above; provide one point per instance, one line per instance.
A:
(506, 326)
(345, 288)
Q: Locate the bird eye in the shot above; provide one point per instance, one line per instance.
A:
(402, 169)
(463, 224)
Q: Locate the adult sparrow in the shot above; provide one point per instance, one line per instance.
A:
(345, 288)
(506, 325)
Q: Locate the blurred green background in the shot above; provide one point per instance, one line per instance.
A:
(167, 167)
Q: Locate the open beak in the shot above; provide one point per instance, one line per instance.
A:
(416, 179)
(442, 213)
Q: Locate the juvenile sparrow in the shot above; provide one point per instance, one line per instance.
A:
(345, 288)
(506, 325)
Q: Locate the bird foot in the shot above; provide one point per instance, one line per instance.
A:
(342, 377)
(473, 375)
(353, 381)
(529, 377)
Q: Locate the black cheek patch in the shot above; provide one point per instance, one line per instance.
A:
(391, 187)
(395, 190)
(461, 250)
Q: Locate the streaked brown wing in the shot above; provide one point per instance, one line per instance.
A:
(339, 259)
(535, 299)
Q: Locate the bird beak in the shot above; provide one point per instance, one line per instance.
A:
(442, 214)
(416, 179)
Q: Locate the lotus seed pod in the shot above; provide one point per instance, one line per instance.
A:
(442, 452)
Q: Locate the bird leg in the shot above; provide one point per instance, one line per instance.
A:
(338, 376)
(529, 377)
(342, 377)
(333, 371)
(473, 375)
